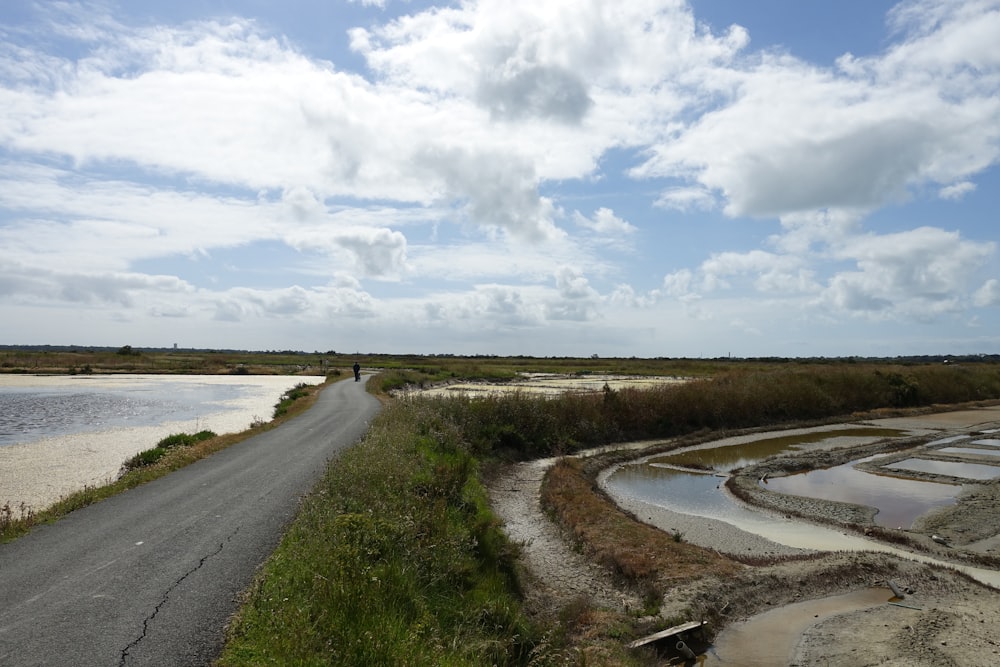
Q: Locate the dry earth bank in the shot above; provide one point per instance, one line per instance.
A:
(944, 617)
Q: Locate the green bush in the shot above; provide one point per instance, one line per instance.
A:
(289, 397)
(144, 458)
(184, 439)
(150, 456)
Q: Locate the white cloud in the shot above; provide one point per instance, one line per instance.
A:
(813, 231)
(915, 274)
(958, 190)
(687, 199)
(625, 296)
(449, 177)
(988, 294)
(604, 221)
(577, 300)
(380, 252)
(678, 283)
(770, 272)
(793, 137)
(500, 192)
(291, 304)
(504, 306)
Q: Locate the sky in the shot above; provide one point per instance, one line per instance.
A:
(651, 178)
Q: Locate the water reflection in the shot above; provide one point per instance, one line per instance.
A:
(899, 501)
(31, 413)
(963, 470)
(729, 457)
(975, 451)
(661, 481)
(683, 491)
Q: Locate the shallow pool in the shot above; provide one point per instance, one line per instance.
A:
(978, 471)
(899, 501)
(975, 451)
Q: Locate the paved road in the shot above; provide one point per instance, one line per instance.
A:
(151, 576)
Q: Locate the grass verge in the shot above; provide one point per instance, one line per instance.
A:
(394, 559)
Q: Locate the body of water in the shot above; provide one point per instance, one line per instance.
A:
(61, 433)
(31, 412)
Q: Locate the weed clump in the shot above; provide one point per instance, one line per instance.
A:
(150, 456)
(285, 402)
(9, 518)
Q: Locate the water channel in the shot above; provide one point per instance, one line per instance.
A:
(690, 482)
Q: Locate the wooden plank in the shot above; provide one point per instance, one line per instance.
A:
(669, 632)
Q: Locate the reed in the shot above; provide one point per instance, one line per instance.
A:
(521, 426)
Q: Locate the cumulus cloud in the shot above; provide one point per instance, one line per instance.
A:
(499, 193)
(20, 282)
(988, 294)
(504, 306)
(916, 274)
(604, 221)
(379, 252)
(476, 131)
(770, 272)
(857, 137)
(678, 283)
(577, 300)
(293, 303)
(687, 199)
(536, 91)
(957, 191)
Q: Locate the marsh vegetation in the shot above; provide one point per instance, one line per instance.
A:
(397, 554)
(396, 557)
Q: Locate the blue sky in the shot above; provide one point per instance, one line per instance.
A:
(558, 178)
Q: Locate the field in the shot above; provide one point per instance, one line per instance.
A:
(399, 551)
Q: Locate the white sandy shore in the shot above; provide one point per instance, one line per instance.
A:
(38, 473)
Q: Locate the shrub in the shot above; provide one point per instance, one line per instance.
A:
(147, 457)
(289, 397)
(150, 456)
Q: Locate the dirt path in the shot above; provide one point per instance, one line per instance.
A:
(559, 572)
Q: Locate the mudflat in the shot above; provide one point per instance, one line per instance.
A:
(944, 617)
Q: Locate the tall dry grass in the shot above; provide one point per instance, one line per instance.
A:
(521, 426)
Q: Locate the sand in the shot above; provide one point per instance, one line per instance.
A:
(36, 474)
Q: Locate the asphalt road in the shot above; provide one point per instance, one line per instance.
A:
(150, 577)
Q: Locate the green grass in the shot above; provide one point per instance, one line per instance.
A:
(394, 559)
(289, 397)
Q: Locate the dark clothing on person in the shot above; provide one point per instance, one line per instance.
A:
(357, 371)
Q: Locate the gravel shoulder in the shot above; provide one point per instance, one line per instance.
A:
(944, 618)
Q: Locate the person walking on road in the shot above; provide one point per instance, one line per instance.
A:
(357, 372)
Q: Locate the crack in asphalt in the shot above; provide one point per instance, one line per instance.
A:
(166, 597)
